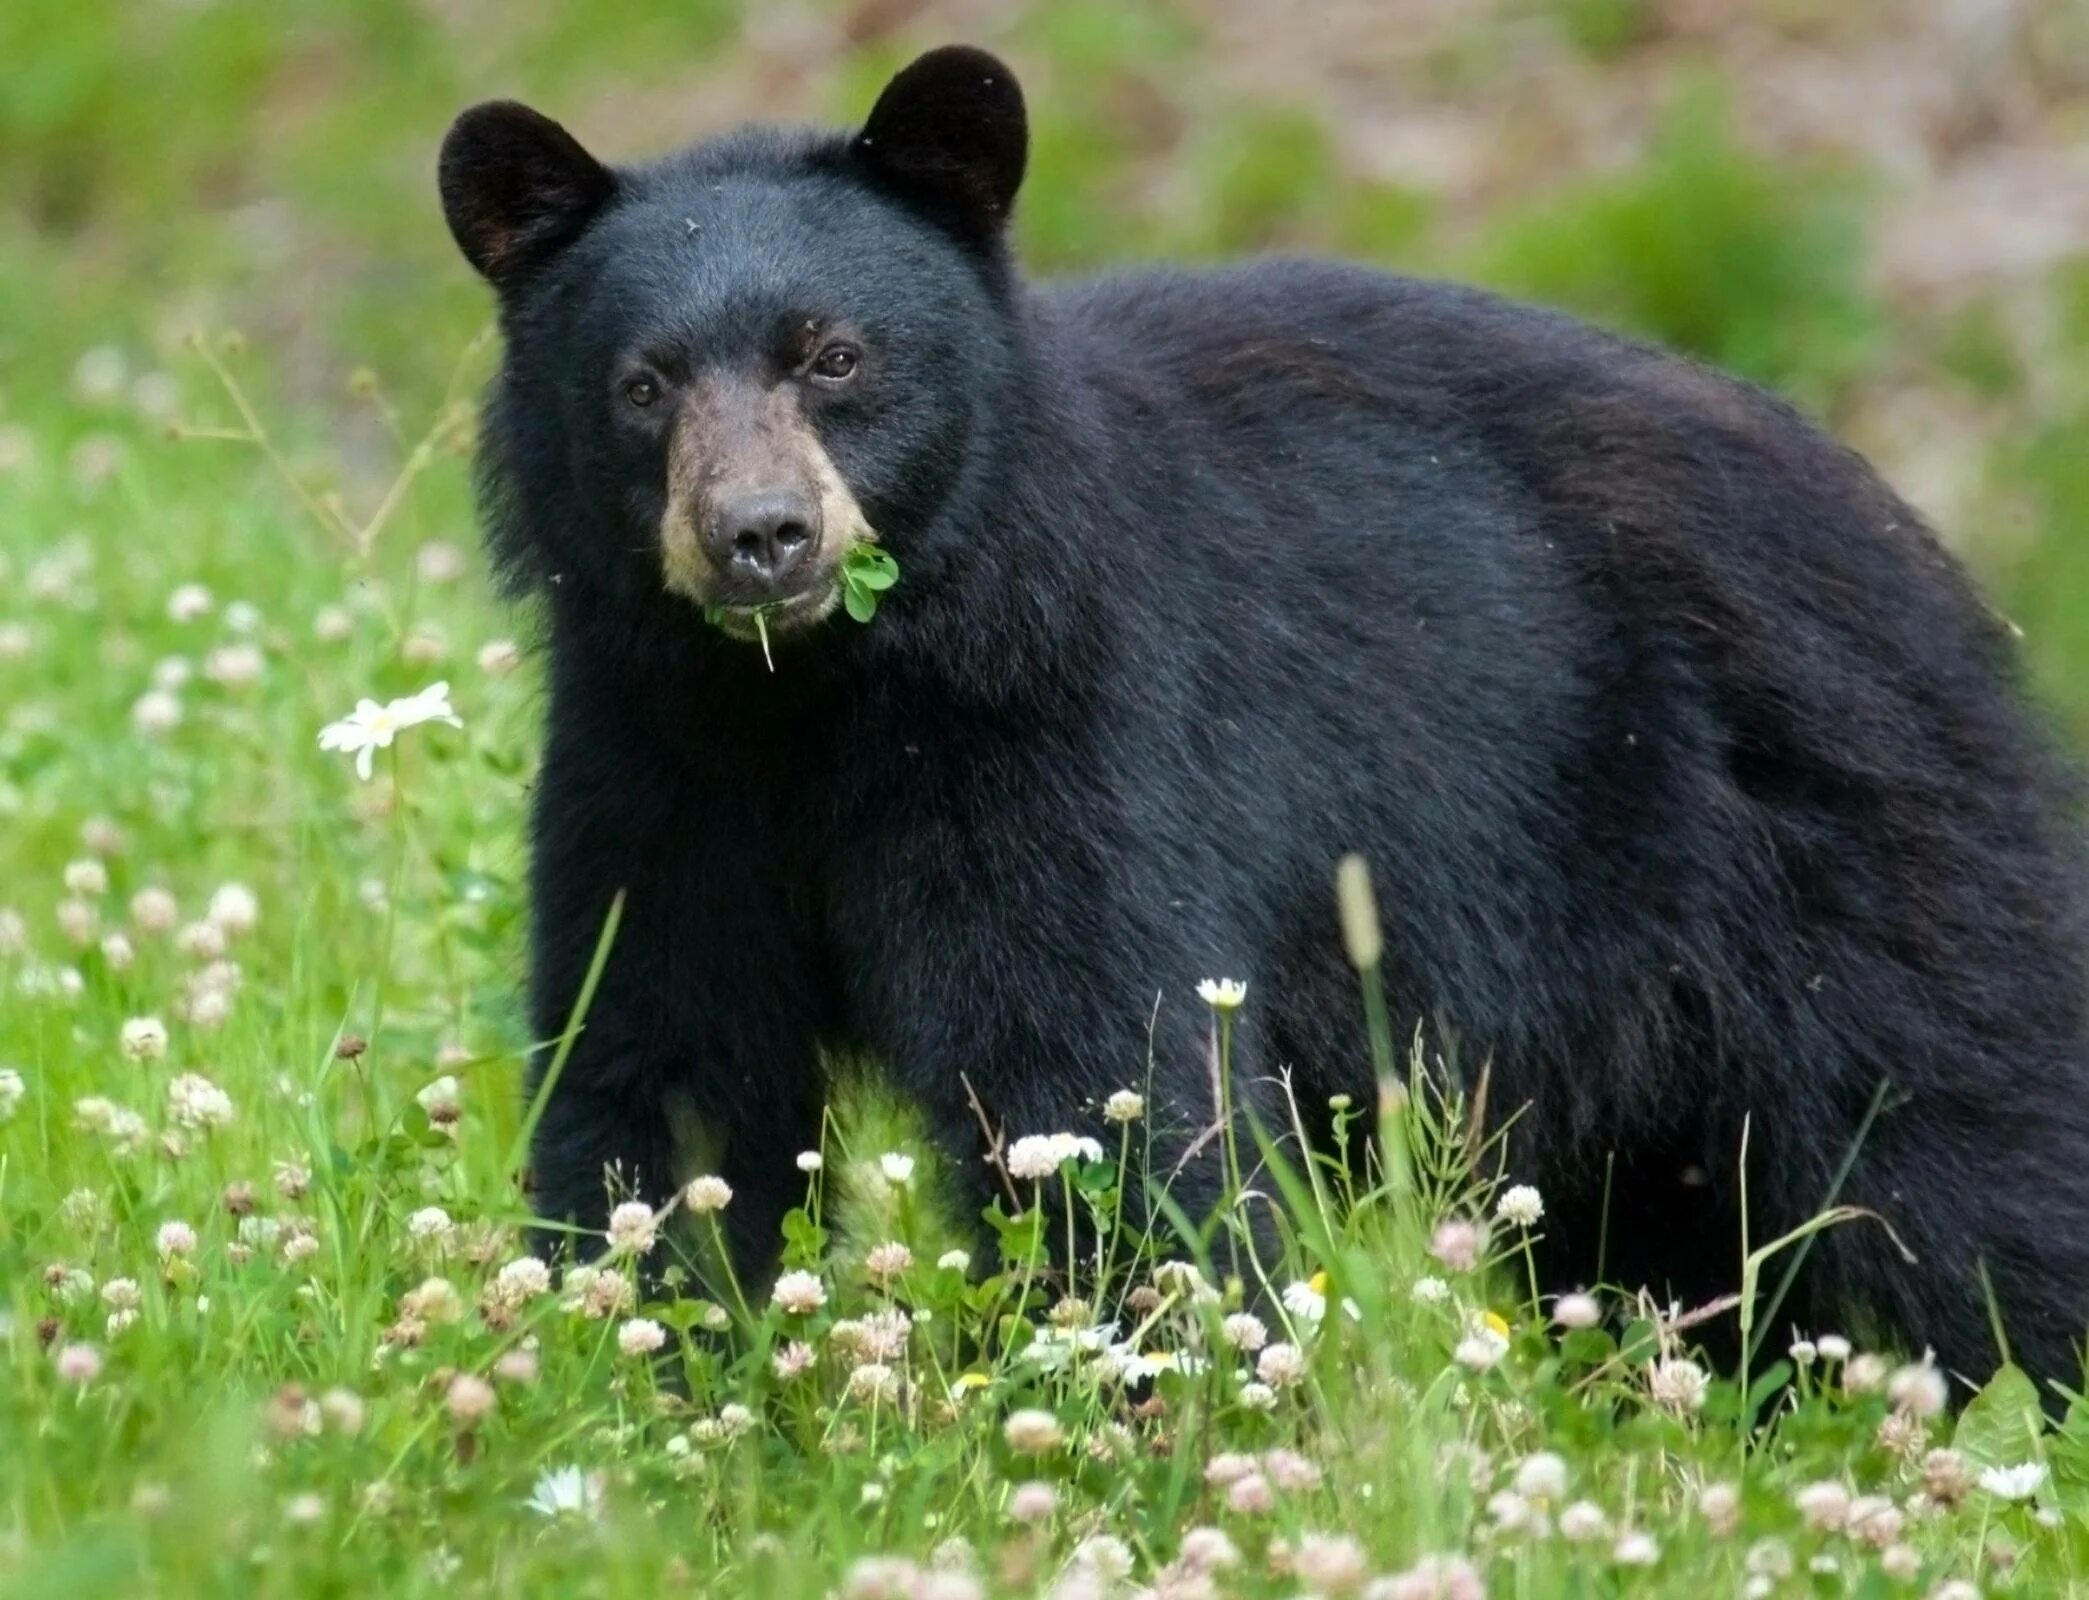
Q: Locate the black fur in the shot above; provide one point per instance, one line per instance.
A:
(1693, 774)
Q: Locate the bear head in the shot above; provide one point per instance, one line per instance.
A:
(725, 367)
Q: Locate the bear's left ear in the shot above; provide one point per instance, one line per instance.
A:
(950, 133)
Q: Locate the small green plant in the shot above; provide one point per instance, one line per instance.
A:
(867, 571)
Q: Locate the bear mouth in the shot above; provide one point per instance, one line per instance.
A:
(795, 613)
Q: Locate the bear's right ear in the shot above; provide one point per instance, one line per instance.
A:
(516, 188)
(950, 133)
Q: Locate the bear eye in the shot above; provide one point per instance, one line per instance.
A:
(836, 363)
(641, 391)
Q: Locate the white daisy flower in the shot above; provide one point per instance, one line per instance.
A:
(2019, 1482)
(371, 727)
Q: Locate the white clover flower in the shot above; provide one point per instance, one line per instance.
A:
(798, 1294)
(1124, 1106)
(259, 1233)
(470, 1398)
(424, 646)
(1032, 1502)
(499, 657)
(872, 1383)
(1577, 1311)
(1678, 1384)
(1521, 1206)
(887, 1261)
(189, 602)
(1280, 1365)
(78, 1364)
(1245, 1331)
(1208, 1550)
(86, 877)
(1258, 1396)
(1825, 1505)
(1862, 1374)
(302, 1510)
(201, 941)
(1542, 1475)
(1833, 1347)
(522, 1279)
(1720, 1505)
(1430, 1291)
(121, 1294)
(1181, 1278)
(810, 1161)
(77, 920)
(566, 1491)
(118, 952)
(1481, 1350)
(1635, 1549)
(1038, 1156)
(433, 1300)
(1918, 1389)
(793, 1360)
(144, 1038)
(1804, 1352)
(1457, 1243)
(332, 624)
(438, 562)
(235, 666)
(955, 1260)
(175, 1238)
(1223, 994)
(234, 908)
(633, 1229)
(896, 1168)
(1034, 1157)
(431, 1225)
(70, 1286)
(1032, 1432)
(372, 727)
(1330, 1563)
(1582, 1522)
(1874, 1520)
(2019, 1482)
(706, 1195)
(12, 1089)
(640, 1336)
(195, 1102)
(1105, 1555)
(208, 1008)
(342, 1410)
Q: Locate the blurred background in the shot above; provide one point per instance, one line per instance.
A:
(1881, 209)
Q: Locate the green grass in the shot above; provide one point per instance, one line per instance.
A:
(347, 1412)
(265, 1425)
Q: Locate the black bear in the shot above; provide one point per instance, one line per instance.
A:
(1693, 772)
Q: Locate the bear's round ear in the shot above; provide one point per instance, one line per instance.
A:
(516, 188)
(949, 133)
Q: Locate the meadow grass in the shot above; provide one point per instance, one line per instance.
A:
(274, 1326)
(269, 1322)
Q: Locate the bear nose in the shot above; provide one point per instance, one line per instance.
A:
(763, 536)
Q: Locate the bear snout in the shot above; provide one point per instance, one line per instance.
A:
(761, 538)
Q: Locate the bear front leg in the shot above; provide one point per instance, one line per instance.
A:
(697, 1054)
